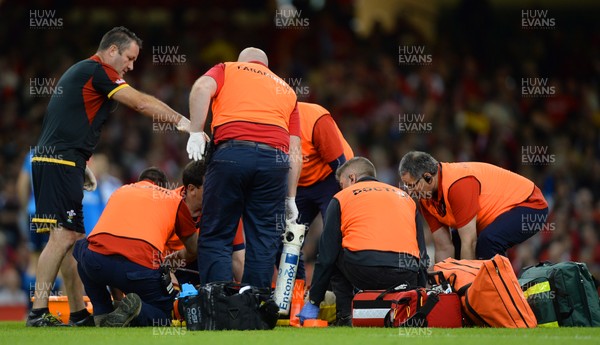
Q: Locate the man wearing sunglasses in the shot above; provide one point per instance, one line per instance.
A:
(491, 208)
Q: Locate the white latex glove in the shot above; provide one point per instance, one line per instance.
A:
(184, 124)
(291, 210)
(89, 180)
(196, 145)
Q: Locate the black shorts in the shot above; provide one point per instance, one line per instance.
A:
(58, 192)
(37, 240)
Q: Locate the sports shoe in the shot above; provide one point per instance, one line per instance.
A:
(88, 321)
(345, 321)
(127, 310)
(44, 320)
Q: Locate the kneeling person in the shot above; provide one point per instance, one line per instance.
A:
(125, 249)
(369, 240)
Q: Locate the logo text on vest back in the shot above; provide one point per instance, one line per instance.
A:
(379, 189)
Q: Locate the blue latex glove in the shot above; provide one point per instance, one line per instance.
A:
(309, 311)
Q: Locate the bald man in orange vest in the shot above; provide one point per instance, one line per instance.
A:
(492, 209)
(254, 170)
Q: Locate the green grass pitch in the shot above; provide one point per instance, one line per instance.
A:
(17, 333)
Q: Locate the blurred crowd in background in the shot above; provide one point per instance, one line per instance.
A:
(467, 99)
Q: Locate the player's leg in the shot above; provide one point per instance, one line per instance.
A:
(36, 243)
(58, 191)
(456, 242)
(314, 199)
(48, 265)
(238, 258)
(73, 284)
(307, 205)
(239, 253)
(308, 210)
(327, 189)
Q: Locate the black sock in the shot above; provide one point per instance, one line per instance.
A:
(39, 312)
(79, 315)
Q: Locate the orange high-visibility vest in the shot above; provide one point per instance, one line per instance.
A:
(142, 211)
(314, 168)
(500, 191)
(251, 92)
(377, 216)
(174, 243)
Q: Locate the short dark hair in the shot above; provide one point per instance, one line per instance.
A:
(359, 165)
(155, 175)
(193, 173)
(119, 36)
(417, 163)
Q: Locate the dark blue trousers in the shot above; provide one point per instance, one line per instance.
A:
(310, 201)
(508, 229)
(98, 271)
(314, 199)
(248, 182)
